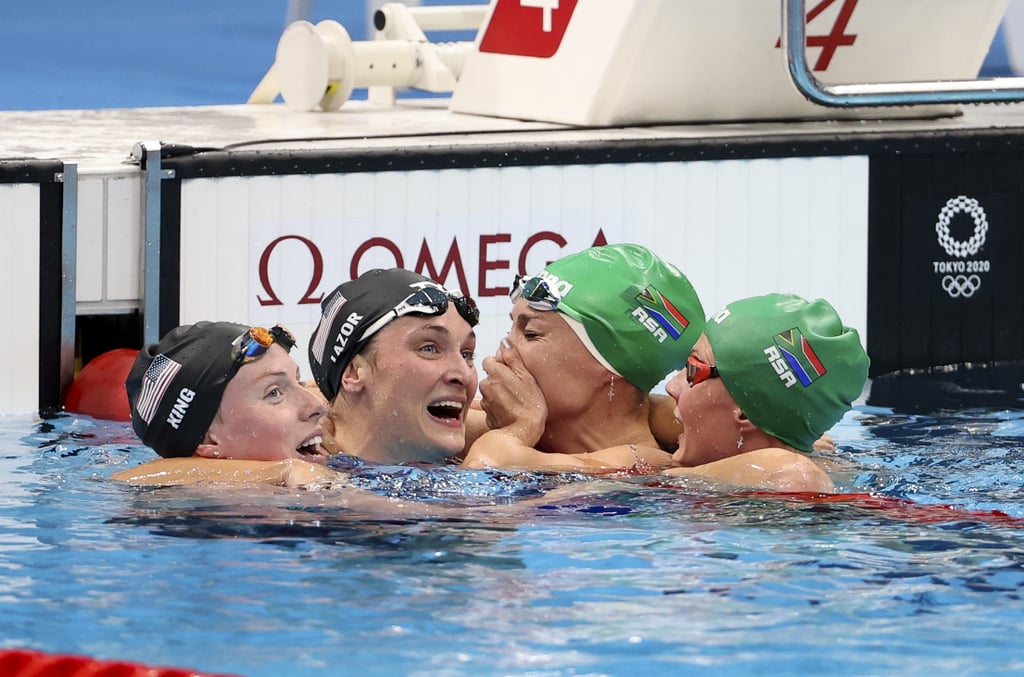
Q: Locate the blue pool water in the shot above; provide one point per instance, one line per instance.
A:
(923, 578)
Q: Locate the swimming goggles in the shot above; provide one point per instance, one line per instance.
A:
(698, 371)
(537, 293)
(427, 301)
(257, 340)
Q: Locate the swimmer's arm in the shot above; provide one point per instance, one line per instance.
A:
(499, 449)
(292, 472)
(665, 427)
(774, 469)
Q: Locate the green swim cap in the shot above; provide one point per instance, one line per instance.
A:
(790, 364)
(637, 314)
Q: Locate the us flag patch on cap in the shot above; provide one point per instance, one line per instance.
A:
(154, 384)
(323, 329)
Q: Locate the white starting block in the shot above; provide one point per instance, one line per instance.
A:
(621, 62)
(624, 62)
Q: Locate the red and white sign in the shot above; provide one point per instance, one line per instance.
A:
(527, 27)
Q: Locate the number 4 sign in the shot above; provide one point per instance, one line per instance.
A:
(527, 27)
(835, 39)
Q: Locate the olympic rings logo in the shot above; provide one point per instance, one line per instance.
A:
(961, 285)
(954, 247)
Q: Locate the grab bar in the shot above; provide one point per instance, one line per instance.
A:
(794, 30)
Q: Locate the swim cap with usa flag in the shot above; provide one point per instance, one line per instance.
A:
(637, 314)
(790, 364)
(175, 386)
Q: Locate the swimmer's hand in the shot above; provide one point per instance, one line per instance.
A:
(825, 443)
(512, 399)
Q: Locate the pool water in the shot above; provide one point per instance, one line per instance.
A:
(484, 575)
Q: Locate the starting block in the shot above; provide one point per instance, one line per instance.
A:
(625, 62)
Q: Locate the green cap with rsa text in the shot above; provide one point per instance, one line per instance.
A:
(790, 364)
(637, 314)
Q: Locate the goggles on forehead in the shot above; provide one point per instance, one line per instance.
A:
(427, 301)
(537, 293)
(698, 371)
(257, 340)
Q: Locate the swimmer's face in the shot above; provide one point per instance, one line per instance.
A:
(420, 378)
(707, 413)
(266, 414)
(566, 372)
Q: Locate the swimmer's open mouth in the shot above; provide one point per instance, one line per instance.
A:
(446, 409)
(311, 447)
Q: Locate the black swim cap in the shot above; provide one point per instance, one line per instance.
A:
(175, 386)
(360, 306)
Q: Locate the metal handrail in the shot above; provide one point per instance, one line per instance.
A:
(794, 37)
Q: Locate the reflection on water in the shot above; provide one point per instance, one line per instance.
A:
(440, 571)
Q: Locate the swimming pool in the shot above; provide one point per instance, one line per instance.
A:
(637, 580)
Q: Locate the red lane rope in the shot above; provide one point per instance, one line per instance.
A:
(27, 663)
(901, 507)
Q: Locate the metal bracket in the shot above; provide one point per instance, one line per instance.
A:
(69, 274)
(147, 154)
(794, 30)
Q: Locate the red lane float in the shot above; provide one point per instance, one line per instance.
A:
(901, 508)
(27, 663)
(99, 391)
